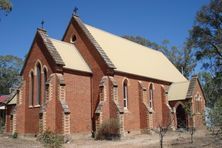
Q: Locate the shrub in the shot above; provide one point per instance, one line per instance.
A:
(50, 139)
(15, 135)
(109, 130)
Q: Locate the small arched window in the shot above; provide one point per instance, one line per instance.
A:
(44, 84)
(150, 99)
(31, 89)
(38, 77)
(198, 103)
(125, 94)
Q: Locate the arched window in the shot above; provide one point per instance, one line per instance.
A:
(44, 84)
(125, 94)
(38, 76)
(150, 100)
(198, 103)
(31, 89)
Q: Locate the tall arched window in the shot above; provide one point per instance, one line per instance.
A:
(150, 96)
(38, 76)
(198, 103)
(125, 94)
(31, 89)
(44, 85)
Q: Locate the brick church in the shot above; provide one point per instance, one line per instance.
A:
(71, 86)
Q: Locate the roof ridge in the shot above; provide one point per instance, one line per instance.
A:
(124, 38)
(181, 82)
(51, 48)
(95, 43)
(60, 41)
(191, 87)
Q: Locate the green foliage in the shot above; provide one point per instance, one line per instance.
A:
(191, 114)
(206, 38)
(212, 87)
(109, 129)
(183, 58)
(206, 35)
(15, 135)
(50, 139)
(6, 5)
(9, 72)
(142, 41)
(215, 116)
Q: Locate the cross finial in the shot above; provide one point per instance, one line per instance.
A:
(75, 11)
(42, 23)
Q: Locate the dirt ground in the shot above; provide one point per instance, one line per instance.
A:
(202, 139)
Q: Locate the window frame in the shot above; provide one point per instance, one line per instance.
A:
(31, 89)
(125, 95)
(38, 84)
(151, 94)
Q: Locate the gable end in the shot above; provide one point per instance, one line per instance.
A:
(94, 42)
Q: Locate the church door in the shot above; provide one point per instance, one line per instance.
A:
(181, 117)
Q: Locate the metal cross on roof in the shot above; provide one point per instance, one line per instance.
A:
(75, 11)
(42, 23)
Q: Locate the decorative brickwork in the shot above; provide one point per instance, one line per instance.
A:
(147, 112)
(66, 124)
(115, 100)
(65, 107)
(103, 99)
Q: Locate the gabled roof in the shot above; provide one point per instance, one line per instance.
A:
(62, 53)
(132, 58)
(70, 56)
(49, 47)
(53, 52)
(100, 51)
(182, 90)
(178, 91)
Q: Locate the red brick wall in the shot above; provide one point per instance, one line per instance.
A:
(92, 58)
(78, 98)
(8, 120)
(135, 118)
(199, 117)
(28, 117)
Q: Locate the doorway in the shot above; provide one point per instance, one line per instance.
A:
(181, 117)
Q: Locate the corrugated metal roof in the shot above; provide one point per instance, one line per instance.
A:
(133, 58)
(178, 91)
(70, 56)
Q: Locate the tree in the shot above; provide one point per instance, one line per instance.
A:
(142, 41)
(10, 67)
(6, 5)
(163, 129)
(183, 59)
(190, 113)
(216, 118)
(206, 35)
(206, 39)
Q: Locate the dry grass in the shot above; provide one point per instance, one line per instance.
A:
(202, 139)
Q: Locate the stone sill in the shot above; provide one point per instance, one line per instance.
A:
(35, 106)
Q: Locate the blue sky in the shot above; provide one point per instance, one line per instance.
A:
(153, 19)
